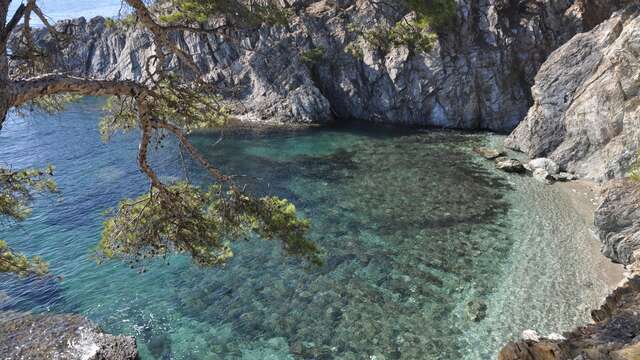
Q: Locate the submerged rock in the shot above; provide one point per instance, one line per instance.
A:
(510, 165)
(60, 336)
(475, 310)
(488, 153)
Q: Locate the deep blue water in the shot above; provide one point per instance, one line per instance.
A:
(413, 225)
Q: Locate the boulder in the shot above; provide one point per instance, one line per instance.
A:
(546, 164)
(488, 153)
(542, 176)
(564, 177)
(510, 165)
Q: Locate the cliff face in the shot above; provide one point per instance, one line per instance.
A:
(586, 112)
(478, 76)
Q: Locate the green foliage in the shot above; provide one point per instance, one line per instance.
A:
(413, 35)
(182, 104)
(17, 190)
(434, 14)
(124, 22)
(194, 11)
(11, 262)
(417, 32)
(353, 48)
(50, 104)
(185, 219)
(313, 56)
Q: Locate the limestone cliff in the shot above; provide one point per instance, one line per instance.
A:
(586, 111)
(478, 76)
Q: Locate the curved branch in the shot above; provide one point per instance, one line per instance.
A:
(161, 34)
(197, 155)
(7, 29)
(24, 90)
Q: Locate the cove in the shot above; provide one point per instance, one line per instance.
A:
(413, 223)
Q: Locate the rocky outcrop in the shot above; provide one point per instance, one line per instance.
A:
(35, 337)
(618, 221)
(613, 336)
(586, 111)
(477, 76)
(615, 333)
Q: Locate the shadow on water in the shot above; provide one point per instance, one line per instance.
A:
(25, 294)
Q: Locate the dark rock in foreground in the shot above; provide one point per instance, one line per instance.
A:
(615, 335)
(62, 337)
(612, 337)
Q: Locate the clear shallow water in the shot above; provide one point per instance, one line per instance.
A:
(413, 224)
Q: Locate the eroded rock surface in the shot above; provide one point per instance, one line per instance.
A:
(63, 337)
(477, 76)
(586, 112)
(618, 220)
(613, 336)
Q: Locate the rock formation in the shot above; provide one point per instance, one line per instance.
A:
(586, 111)
(63, 337)
(478, 76)
(618, 221)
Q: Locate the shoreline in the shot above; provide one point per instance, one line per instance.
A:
(584, 196)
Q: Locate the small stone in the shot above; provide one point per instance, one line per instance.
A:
(556, 337)
(488, 153)
(542, 176)
(563, 177)
(548, 165)
(475, 310)
(530, 335)
(510, 165)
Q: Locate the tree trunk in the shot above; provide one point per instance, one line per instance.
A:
(4, 65)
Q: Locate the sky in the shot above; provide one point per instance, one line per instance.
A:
(66, 9)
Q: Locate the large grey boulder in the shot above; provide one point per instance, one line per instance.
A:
(617, 220)
(586, 111)
(545, 164)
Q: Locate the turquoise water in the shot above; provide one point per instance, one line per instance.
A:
(413, 224)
